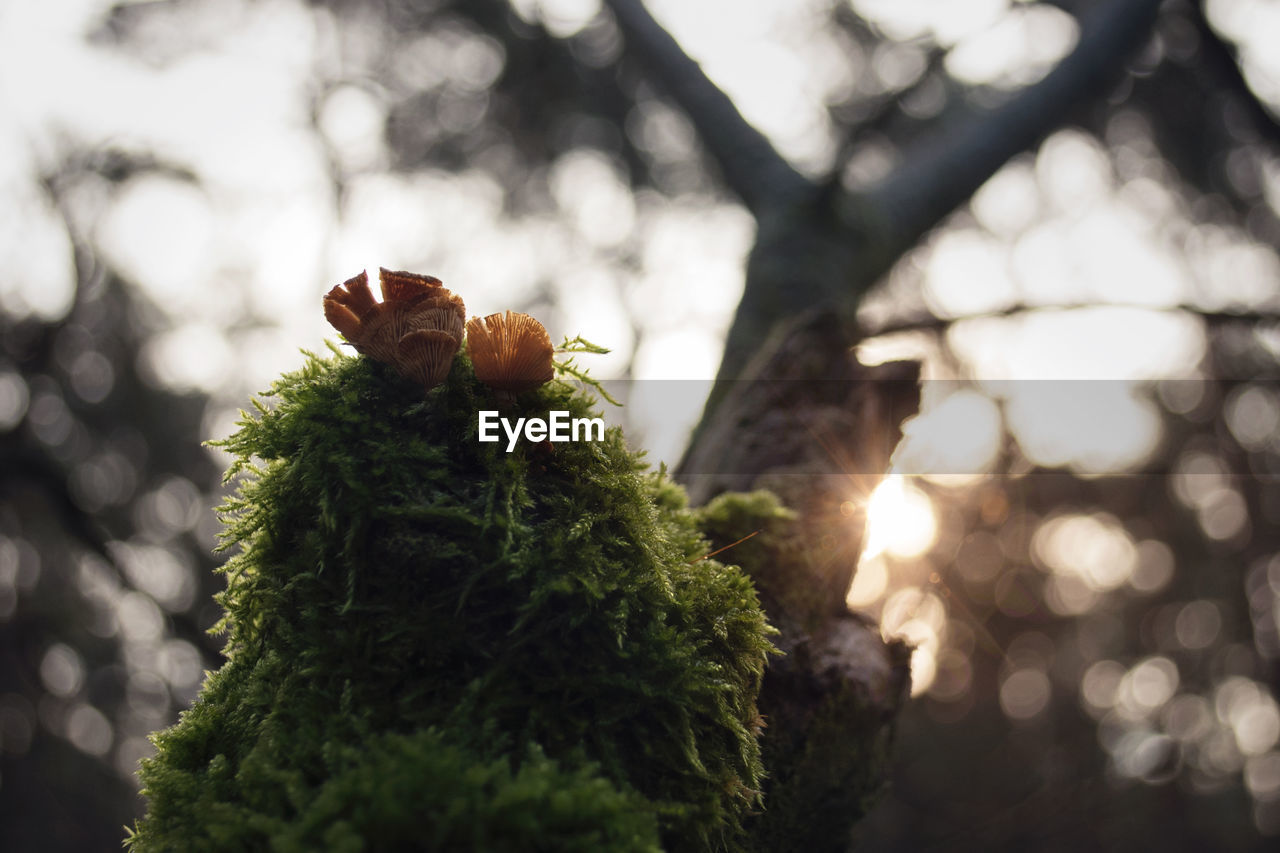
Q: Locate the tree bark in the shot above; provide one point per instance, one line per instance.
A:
(792, 409)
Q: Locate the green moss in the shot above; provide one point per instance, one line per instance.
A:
(824, 782)
(771, 553)
(437, 645)
(827, 746)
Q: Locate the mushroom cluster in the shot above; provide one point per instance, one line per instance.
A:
(418, 329)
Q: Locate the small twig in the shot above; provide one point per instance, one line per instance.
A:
(885, 109)
(725, 548)
(751, 167)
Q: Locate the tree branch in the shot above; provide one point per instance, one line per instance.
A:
(1224, 57)
(813, 425)
(826, 251)
(751, 167)
(937, 325)
(946, 169)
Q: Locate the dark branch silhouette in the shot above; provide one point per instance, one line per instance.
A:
(946, 169)
(935, 324)
(871, 229)
(751, 168)
(1223, 57)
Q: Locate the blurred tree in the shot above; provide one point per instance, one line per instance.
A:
(105, 574)
(1031, 665)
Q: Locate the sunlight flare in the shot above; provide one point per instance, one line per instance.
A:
(900, 520)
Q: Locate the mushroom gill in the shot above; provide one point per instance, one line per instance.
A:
(511, 352)
(427, 355)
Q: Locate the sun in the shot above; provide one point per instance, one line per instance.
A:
(900, 520)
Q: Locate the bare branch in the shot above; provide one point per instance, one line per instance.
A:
(946, 169)
(828, 257)
(1220, 54)
(752, 169)
(937, 325)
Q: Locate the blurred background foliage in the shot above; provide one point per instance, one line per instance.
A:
(1082, 541)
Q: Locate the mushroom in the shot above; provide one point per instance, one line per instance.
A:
(347, 303)
(426, 355)
(511, 351)
(389, 331)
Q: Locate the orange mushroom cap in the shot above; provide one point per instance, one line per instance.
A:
(406, 287)
(510, 351)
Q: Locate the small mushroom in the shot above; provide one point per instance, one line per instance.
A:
(410, 304)
(511, 351)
